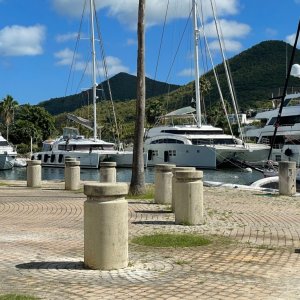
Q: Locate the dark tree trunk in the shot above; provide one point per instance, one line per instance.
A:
(137, 185)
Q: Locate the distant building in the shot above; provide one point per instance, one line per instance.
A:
(242, 117)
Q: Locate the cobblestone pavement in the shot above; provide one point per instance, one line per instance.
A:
(41, 248)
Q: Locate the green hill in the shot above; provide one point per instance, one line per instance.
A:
(123, 87)
(258, 74)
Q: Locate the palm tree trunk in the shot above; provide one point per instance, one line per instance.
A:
(137, 185)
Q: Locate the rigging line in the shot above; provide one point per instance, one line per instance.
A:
(216, 76)
(161, 40)
(217, 25)
(75, 48)
(106, 75)
(178, 47)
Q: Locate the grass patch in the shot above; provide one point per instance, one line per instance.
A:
(16, 297)
(149, 194)
(172, 240)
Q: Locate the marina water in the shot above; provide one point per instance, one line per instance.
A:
(234, 176)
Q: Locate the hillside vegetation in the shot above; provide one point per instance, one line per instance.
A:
(257, 73)
(123, 88)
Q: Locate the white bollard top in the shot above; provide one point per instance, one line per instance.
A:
(34, 162)
(188, 175)
(164, 167)
(183, 169)
(106, 189)
(72, 163)
(108, 164)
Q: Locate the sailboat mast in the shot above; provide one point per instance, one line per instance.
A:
(196, 61)
(94, 83)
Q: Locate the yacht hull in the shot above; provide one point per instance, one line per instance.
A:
(6, 161)
(88, 160)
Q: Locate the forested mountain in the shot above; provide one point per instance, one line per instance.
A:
(257, 73)
(123, 88)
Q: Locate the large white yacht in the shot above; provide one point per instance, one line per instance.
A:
(203, 147)
(286, 146)
(90, 152)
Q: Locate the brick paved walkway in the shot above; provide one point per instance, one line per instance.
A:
(41, 248)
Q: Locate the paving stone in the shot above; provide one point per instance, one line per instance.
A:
(41, 246)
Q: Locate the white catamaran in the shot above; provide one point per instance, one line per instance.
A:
(182, 139)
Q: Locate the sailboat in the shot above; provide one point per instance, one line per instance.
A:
(89, 151)
(181, 138)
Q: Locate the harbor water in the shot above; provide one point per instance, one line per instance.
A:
(234, 176)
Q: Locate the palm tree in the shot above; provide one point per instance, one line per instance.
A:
(137, 185)
(7, 109)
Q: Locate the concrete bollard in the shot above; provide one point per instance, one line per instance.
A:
(34, 173)
(106, 226)
(163, 183)
(108, 172)
(174, 170)
(287, 178)
(72, 175)
(189, 197)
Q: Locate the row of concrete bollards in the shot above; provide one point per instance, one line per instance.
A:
(106, 210)
(71, 172)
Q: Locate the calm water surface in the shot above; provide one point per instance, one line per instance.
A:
(235, 176)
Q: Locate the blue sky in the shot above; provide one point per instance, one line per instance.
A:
(37, 39)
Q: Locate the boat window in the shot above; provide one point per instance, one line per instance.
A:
(166, 141)
(172, 152)
(60, 158)
(228, 141)
(47, 147)
(286, 120)
(202, 132)
(4, 143)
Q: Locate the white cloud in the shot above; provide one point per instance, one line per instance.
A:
(66, 37)
(291, 39)
(230, 29)
(230, 45)
(186, 72)
(65, 58)
(271, 32)
(20, 41)
(131, 42)
(126, 11)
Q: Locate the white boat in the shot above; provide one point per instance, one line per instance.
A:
(8, 154)
(203, 147)
(89, 151)
(181, 138)
(286, 146)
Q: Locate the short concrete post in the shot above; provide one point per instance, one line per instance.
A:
(106, 226)
(72, 175)
(163, 183)
(189, 197)
(67, 159)
(108, 171)
(174, 170)
(34, 173)
(287, 178)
